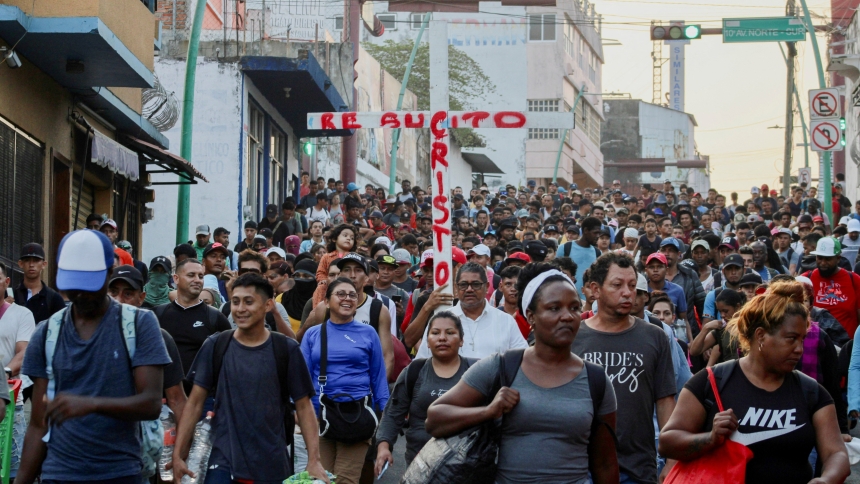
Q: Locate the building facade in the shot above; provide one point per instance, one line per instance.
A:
(77, 77)
(647, 143)
(539, 59)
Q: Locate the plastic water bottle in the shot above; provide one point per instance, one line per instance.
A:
(201, 447)
(168, 421)
(680, 328)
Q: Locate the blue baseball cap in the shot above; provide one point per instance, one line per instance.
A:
(350, 187)
(561, 190)
(83, 261)
(671, 241)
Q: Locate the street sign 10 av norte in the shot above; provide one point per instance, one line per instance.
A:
(772, 29)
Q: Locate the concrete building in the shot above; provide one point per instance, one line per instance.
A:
(539, 58)
(647, 143)
(849, 75)
(74, 136)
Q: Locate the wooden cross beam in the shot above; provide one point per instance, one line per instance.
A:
(439, 120)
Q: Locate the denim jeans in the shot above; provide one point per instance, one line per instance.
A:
(19, 428)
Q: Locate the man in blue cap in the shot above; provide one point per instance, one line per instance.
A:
(92, 382)
(685, 277)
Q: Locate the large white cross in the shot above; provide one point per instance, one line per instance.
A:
(439, 120)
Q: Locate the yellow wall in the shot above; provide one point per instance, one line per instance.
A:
(130, 96)
(129, 20)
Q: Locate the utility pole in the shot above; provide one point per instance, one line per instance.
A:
(789, 108)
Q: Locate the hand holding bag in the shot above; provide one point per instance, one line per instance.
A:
(346, 421)
(727, 464)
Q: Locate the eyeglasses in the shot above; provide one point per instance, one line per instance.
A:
(352, 296)
(475, 285)
(245, 270)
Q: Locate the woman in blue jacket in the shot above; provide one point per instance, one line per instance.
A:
(355, 369)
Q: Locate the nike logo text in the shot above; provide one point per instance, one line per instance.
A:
(198, 324)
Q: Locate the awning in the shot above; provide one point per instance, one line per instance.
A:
(296, 87)
(151, 154)
(481, 163)
(115, 157)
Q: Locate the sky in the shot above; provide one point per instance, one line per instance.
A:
(735, 91)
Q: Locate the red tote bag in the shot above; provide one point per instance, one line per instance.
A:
(727, 464)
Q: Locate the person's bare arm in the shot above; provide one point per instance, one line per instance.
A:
(18, 359)
(415, 331)
(307, 420)
(314, 318)
(34, 450)
(705, 338)
(602, 455)
(384, 332)
(185, 431)
(176, 399)
(665, 407)
(145, 404)
(283, 327)
(460, 408)
(831, 447)
(715, 356)
(682, 437)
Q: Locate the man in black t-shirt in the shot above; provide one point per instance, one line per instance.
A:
(126, 287)
(249, 442)
(188, 319)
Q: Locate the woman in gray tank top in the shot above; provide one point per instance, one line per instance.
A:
(550, 432)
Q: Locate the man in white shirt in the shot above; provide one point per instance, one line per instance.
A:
(486, 330)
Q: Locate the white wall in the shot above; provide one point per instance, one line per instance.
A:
(216, 154)
(669, 134)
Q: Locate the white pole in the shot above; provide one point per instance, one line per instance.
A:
(441, 191)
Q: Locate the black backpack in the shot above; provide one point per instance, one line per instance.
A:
(565, 250)
(281, 345)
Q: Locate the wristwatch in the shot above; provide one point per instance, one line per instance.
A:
(8, 371)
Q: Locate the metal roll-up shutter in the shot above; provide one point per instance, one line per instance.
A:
(21, 163)
(88, 201)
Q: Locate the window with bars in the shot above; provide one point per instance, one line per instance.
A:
(543, 105)
(543, 133)
(21, 162)
(542, 27)
(569, 37)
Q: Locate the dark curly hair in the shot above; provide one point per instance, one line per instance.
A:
(331, 246)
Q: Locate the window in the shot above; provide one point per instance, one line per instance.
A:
(543, 105)
(415, 21)
(593, 126)
(582, 50)
(542, 27)
(389, 21)
(338, 22)
(254, 179)
(277, 160)
(21, 162)
(569, 38)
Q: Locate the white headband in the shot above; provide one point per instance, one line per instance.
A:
(537, 282)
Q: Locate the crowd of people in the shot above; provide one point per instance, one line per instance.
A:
(586, 320)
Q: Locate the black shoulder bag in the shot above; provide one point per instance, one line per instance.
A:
(347, 421)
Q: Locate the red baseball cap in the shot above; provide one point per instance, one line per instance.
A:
(817, 218)
(657, 255)
(764, 187)
(457, 255)
(519, 256)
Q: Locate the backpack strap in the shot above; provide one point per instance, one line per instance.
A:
(281, 347)
(565, 252)
(375, 310)
(597, 388)
(412, 372)
(722, 372)
(52, 334)
(222, 341)
(511, 361)
(160, 310)
(212, 319)
(128, 326)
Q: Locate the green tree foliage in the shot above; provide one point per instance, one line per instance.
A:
(467, 83)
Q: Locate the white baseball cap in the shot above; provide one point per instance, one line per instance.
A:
(827, 247)
(631, 233)
(641, 282)
(853, 225)
(479, 249)
(83, 260)
(276, 250)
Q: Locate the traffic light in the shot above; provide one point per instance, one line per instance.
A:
(676, 32)
(308, 147)
(842, 129)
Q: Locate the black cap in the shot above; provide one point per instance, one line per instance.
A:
(213, 247)
(250, 224)
(508, 223)
(372, 265)
(733, 260)
(267, 232)
(32, 250)
(550, 228)
(307, 266)
(184, 249)
(128, 274)
(514, 245)
(388, 260)
(750, 278)
(352, 257)
(536, 250)
(271, 210)
(161, 261)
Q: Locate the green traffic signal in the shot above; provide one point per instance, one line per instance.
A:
(692, 31)
(676, 32)
(308, 148)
